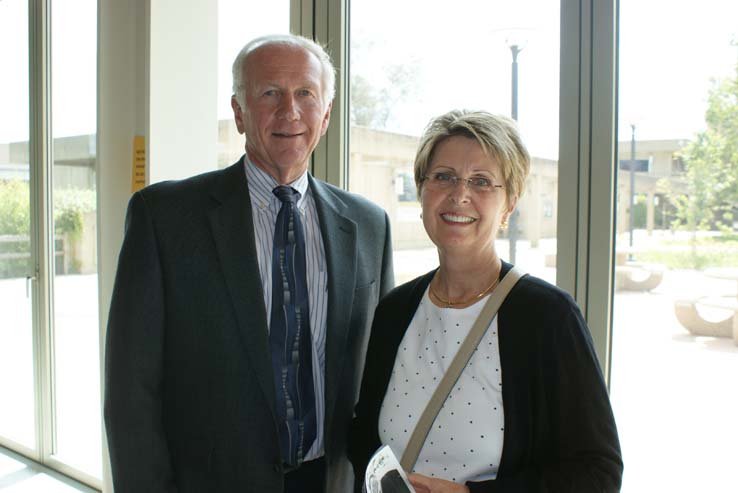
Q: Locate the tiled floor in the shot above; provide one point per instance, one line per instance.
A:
(20, 475)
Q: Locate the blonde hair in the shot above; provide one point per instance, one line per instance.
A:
(497, 135)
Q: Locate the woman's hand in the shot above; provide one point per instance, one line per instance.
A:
(424, 484)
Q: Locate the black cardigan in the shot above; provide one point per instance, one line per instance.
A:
(560, 433)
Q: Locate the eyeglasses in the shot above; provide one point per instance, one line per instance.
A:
(447, 181)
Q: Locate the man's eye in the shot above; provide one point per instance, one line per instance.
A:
(444, 177)
(270, 92)
(304, 92)
(481, 182)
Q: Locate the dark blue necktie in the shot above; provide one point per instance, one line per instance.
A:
(289, 333)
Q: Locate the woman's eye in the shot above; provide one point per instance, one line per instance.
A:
(478, 181)
(443, 177)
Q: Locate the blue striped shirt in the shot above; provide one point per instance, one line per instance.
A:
(264, 209)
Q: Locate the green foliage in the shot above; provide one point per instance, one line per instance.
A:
(367, 107)
(726, 238)
(374, 97)
(686, 259)
(69, 208)
(717, 251)
(14, 207)
(711, 162)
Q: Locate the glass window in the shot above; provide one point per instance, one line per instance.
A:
(17, 417)
(675, 345)
(428, 58)
(239, 21)
(76, 362)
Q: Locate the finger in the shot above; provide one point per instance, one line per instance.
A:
(417, 478)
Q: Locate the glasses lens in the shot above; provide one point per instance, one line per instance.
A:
(477, 184)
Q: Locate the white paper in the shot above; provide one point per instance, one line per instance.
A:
(385, 475)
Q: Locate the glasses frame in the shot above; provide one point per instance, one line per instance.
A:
(454, 181)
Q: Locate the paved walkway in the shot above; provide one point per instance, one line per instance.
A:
(675, 396)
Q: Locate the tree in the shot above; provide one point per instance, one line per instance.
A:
(711, 163)
(374, 99)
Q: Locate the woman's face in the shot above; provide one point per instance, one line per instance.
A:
(463, 218)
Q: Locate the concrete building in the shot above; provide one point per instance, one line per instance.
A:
(381, 168)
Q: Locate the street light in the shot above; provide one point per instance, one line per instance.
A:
(516, 39)
(515, 49)
(632, 182)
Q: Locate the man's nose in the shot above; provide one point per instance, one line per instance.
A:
(289, 108)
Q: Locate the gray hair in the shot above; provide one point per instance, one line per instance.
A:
(497, 135)
(239, 64)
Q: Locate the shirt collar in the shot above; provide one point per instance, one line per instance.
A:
(262, 183)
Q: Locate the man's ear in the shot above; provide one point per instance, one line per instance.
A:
(326, 119)
(237, 114)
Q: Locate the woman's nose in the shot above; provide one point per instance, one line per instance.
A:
(460, 191)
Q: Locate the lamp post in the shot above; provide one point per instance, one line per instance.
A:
(632, 181)
(513, 221)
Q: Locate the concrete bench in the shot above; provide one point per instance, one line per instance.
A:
(688, 315)
(636, 276)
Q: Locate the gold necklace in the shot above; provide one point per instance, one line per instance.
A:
(450, 303)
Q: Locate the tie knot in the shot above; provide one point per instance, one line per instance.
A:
(286, 194)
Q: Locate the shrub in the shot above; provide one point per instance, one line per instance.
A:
(69, 208)
(14, 207)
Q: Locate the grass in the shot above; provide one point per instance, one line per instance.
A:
(713, 251)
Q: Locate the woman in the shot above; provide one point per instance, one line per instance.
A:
(530, 411)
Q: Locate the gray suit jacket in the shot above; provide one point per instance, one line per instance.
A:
(189, 397)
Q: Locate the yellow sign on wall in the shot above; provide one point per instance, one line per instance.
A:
(139, 163)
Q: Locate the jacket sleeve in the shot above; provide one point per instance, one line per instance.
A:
(388, 276)
(133, 362)
(581, 451)
(363, 435)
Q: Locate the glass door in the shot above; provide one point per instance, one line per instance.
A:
(17, 413)
(49, 348)
(675, 345)
(75, 366)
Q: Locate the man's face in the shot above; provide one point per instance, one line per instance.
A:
(285, 114)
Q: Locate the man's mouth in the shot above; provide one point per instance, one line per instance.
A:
(284, 135)
(455, 218)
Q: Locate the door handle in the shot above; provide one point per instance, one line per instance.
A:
(29, 280)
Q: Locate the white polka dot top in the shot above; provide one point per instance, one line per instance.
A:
(465, 441)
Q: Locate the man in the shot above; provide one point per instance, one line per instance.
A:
(241, 308)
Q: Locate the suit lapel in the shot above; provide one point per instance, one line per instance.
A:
(339, 239)
(233, 231)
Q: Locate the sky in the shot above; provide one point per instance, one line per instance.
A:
(457, 52)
